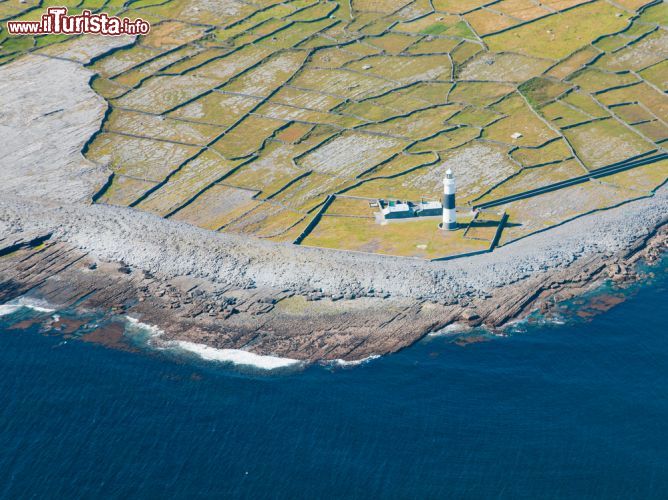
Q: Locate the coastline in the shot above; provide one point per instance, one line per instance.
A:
(48, 261)
(228, 291)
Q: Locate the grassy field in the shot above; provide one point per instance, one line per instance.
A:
(245, 116)
(408, 238)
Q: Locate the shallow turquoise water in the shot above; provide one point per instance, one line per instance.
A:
(578, 410)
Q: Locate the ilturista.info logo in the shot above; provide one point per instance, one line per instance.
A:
(56, 20)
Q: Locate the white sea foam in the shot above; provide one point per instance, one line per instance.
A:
(356, 362)
(236, 356)
(152, 330)
(15, 305)
(6, 309)
(207, 353)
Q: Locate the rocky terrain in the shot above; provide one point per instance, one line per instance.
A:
(232, 291)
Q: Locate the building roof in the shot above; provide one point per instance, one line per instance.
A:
(429, 205)
(397, 207)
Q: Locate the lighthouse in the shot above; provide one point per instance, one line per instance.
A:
(449, 212)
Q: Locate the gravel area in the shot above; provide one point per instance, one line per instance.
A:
(173, 249)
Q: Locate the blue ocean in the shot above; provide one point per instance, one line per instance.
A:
(573, 407)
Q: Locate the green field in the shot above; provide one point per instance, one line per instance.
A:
(245, 117)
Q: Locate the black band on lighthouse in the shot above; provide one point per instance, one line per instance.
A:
(448, 201)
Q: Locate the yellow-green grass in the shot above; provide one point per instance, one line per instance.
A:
(289, 113)
(484, 226)
(223, 68)
(301, 98)
(246, 137)
(140, 158)
(515, 68)
(405, 69)
(368, 110)
(446, 140)
(606, 141)
(475, 116)
(477, 166)
(430, 45)
(348, 84)
(378, 6)
(13, 8)
(401, 163)
(657, 74)
(632, 113)
(125, 190)
(269, 27)
(655, 130)
(135, 76)
(393, 189)
(293, 34)
(657, 14)
(310, 191)
(417, 125)
(526, 10)
(203, 13)
(464, 52)
(123, 60)
(314, 12)
(401, 102)
(409, 238)
(264, 221)
(532, 178)
(108, 89)
(572, 63)
(392, 43)
(646, 52)
(560, 35)
(351, 207)
(217, 206)
(192, 178)
(642, 93)
(645, 178)
(612, 43)
(191, 62)
(161, 93)
(257, 18)
(170, 34)
(539, 91)
(594, 80)
(333, 57)
(562, 115)
(458, 6)
(633, 5)
(431, 92)
(432, 24)
(485, 22)
(157, 127)
(270, 172)
(552, 152)
(294, 132)
(547, 210)
(217, 108)
(351, 154)
(586, 104)
(521, 119)
(268, 76)
(479, 93)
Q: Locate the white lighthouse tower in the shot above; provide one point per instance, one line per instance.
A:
(449, 212)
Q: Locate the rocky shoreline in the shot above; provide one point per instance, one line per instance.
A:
(47, 260)
(234, 292)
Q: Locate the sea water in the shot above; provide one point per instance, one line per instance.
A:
(572, 410)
